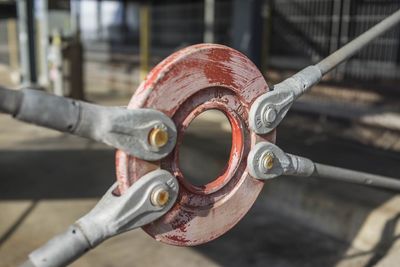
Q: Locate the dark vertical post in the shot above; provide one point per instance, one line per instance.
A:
(26, 27)
(145, 39)
(267, 8)
(247, 28)
(74, 53)
(31, 40)
(75, 56)
(124, 22)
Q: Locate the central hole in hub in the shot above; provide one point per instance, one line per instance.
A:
(206, 147)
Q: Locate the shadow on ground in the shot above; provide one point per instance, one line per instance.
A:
(56, 174)
(263, 238)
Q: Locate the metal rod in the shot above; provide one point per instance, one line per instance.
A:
(305, 167)
(118, 127)
(293, 165)
(345, 175)
(112, 215)
(358, 43)
(9, 100)
(306, 78)
(303, 80)
(280, 100)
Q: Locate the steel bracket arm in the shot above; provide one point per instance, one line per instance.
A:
(145, 133)
(145, 201)
(267, 161)
(269, 109)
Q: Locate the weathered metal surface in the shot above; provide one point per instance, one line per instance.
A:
(286, 92)
(111, 216)
(288, 164)
(345, 52)
(144, 133)
(185, 84)
(282, 163)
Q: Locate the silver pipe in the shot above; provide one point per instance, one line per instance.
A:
(303, 80)
(118, 127)
(9, 100)
(267, 161)
(358, 43)
(304, 167)
(345, 175)
(279, 101)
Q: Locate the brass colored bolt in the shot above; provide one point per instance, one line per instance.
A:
(158, 137)
(268, 161)
(160, 197)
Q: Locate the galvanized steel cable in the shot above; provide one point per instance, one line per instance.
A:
(358, 43)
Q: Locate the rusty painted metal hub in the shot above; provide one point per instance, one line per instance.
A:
(185, 84)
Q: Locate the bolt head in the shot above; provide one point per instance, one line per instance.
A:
(267, 161)
(158, 137)
(270, 115)
(160, 197)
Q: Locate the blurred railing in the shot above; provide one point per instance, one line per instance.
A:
(304, 31)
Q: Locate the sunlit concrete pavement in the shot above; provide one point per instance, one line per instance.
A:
(48, 180)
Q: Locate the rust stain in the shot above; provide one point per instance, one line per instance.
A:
(217, 68)
(178, 240)
(184, 85)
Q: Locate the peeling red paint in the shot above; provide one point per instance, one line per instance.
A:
(187, 83)
(178, 239)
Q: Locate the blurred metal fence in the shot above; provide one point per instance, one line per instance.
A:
(304, 31)
(175, 25)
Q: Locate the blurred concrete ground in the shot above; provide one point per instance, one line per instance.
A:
(48, 180)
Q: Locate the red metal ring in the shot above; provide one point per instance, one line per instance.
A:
(185, 84)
